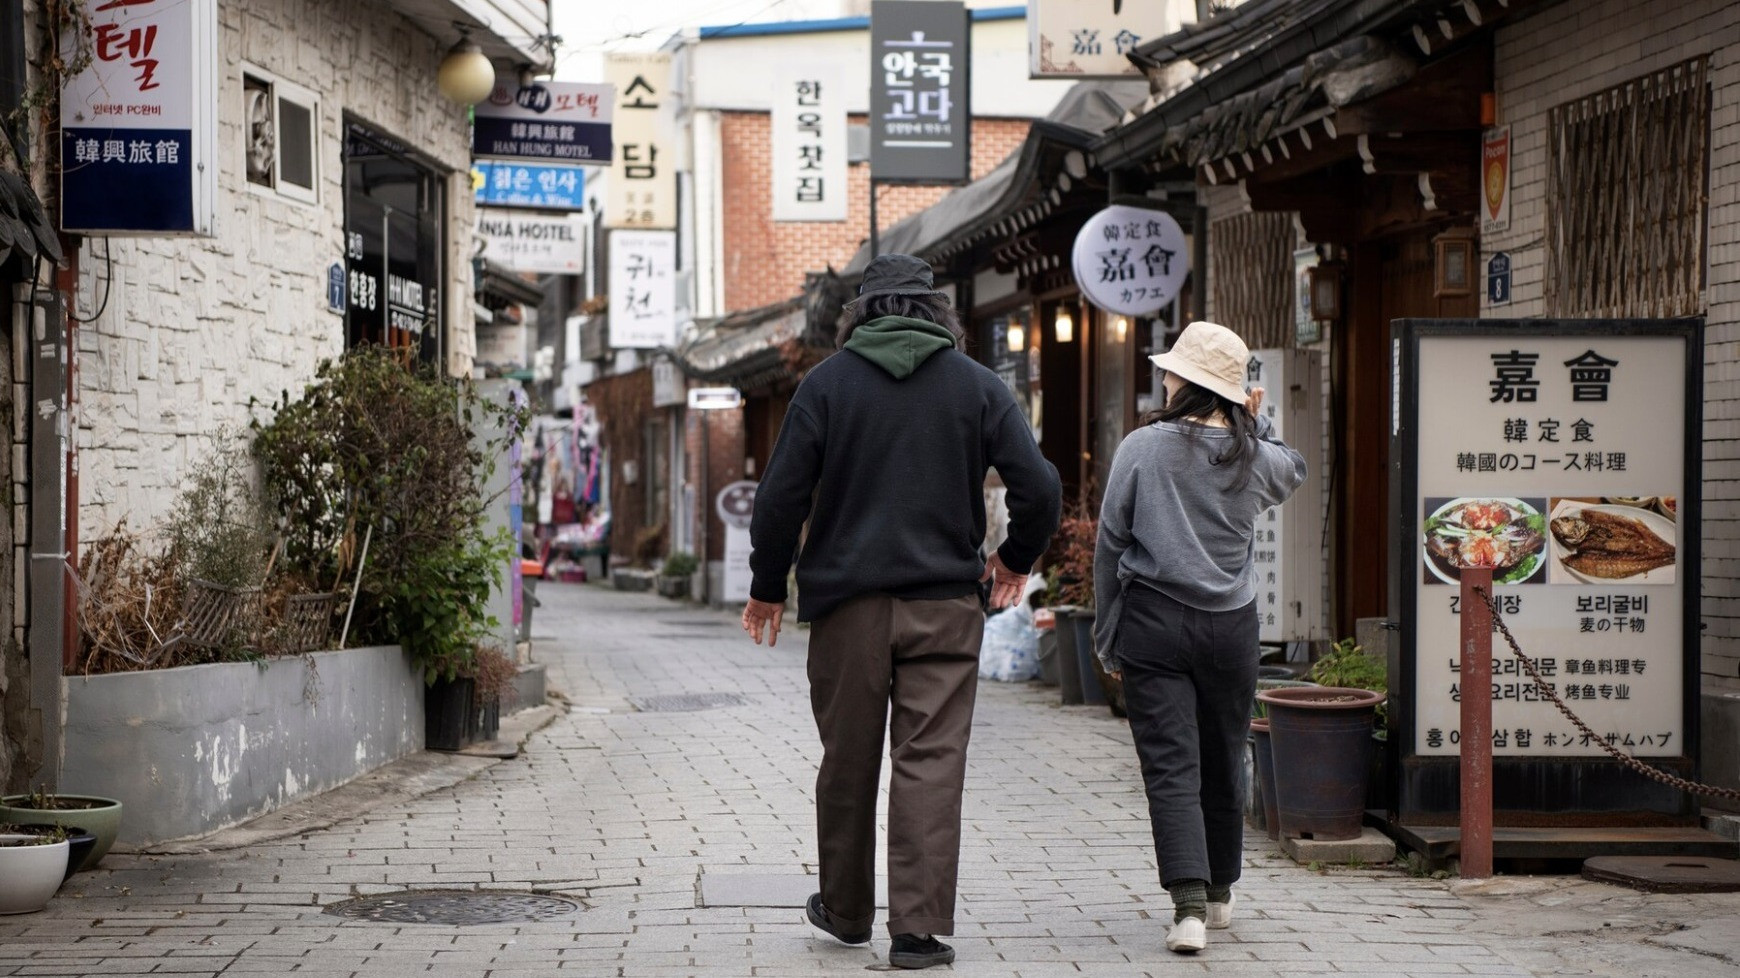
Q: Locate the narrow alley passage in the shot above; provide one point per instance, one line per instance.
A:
(687, 835)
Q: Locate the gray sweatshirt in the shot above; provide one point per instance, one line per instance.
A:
(1179, 523)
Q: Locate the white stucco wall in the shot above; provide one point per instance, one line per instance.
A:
(195, 327)
(1569, 51)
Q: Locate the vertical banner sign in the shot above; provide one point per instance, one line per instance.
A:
(1565, 458)
(1267, 369)
(1092, 38)
(1495, 179)
(643, 180)
(920, 104)
(736, 505)
(138, 126)
(643, 289)
(545, 122)
(809, 144)
(1306, 328)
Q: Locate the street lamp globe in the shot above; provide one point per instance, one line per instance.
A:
(466, 75)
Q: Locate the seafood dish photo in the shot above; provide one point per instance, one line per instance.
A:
(1599, 543)
(1506, 535)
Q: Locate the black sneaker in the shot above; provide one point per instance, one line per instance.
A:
(824, 920)
(919, 951)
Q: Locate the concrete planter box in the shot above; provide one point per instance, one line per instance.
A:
(631, 579)
(199, 748)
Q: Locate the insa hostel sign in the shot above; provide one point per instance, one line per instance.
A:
(139, 122)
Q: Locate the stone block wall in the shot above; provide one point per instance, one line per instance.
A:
(192, 329)
(1568, 51)
(765, 261)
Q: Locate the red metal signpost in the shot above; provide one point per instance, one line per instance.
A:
(1476, 726)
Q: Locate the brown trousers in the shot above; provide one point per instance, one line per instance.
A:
(921, 658)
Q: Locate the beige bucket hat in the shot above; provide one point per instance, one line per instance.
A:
(1209, 355)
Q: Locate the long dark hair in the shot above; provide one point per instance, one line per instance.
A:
(930, 308)
(1195, 401)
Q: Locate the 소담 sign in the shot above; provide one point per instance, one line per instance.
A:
(1564, 456)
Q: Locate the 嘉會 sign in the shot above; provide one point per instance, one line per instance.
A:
(139, 123)
(545, 122)
(501, 183)
(809, 144)
(643, 289)
(920, 67)
(1130, 260)
(643, 180)
(529, 242)
(1564, 457)
(1093, 38)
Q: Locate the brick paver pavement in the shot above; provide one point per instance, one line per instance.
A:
(644, 815)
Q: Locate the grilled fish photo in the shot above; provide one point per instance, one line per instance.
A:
(1608, 546)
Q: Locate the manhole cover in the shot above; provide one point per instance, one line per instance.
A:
(1666, 874)
(685, 702)
(461, 908)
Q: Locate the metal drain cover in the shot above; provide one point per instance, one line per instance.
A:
(457, 907)
(685, 702)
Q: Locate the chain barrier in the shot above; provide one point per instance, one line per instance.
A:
(1654, 774)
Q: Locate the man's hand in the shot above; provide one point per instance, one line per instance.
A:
(1254, 402)
(1006, 585)
(757, 614)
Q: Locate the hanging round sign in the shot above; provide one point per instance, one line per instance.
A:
(1131, 260)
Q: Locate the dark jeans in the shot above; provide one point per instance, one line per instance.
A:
(1189, 679)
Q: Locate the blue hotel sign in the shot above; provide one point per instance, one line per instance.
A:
(501, 183)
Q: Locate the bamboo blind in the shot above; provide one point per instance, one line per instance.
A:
(1252, 260)
(1626, 178)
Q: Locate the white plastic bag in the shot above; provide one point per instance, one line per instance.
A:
(1010, 650)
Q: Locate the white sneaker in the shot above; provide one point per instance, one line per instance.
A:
(1188, 936)
(1220, 914)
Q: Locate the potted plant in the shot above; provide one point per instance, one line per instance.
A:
(32, 866)
(1076, 538)
(1321, 738)
(98, 816)
(673, 579)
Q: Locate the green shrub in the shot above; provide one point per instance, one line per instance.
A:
(680, 563)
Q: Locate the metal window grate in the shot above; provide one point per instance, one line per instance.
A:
(1251, 257)
(1626, 186)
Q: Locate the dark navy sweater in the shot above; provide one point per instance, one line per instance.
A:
(890, 475)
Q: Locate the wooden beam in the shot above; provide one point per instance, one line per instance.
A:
(1444, 95)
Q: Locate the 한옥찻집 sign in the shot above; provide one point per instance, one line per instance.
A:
(1564, 457)
(139, 123)
(809, 144)
(920, 104)
(544, 122)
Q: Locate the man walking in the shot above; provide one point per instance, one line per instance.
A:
(884, 451)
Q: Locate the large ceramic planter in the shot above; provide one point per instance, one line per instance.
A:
(1093, 679)
(673, 587)
(1111, 687)
(29, 874)
(1263, 749)
(1069, 675)
(1048, 669)
(100, 817)
(1321, 741)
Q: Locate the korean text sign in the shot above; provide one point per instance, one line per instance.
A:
(529, 242)
(1558, 458)
(809, 144)
(643, 180)
(920, 98)
(545, 122)
(502, 183)
(138, 125)
(1131, 260)
(643, 289)
(1093, 38)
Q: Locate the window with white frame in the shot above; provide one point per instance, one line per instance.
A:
(281, 127)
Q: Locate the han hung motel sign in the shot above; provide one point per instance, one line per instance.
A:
(1564, 457)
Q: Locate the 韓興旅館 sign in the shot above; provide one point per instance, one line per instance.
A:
(139, 123)
(545, 122)
(1564, 456)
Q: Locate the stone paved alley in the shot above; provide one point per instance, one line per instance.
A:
(666, 824)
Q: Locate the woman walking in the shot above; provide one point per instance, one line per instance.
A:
(1178, 620)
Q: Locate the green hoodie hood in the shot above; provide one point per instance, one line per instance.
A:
(898, 344)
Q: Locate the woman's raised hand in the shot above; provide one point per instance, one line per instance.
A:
(1254, 401)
